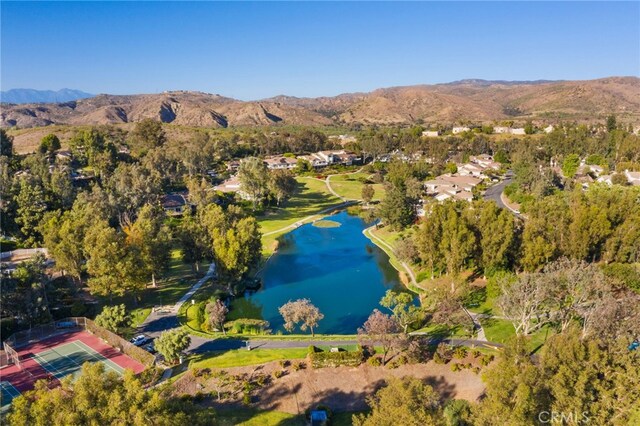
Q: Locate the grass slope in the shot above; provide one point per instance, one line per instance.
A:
(311, 197)
(350, 186)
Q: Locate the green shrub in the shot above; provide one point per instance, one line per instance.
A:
(78, 309)
(150, 375)
(261, 380)
(246, 399)
(200, 319)
(313, 349)
(486, 360)
(476, 353)
(277, 374)
(460, 352)
(445, 352)
(402, 360)
(476, 370)
(284, 363)
(455, 367)
(335, 359)
(297, 366)
(374, 361)
(248, 326)
(438, 359)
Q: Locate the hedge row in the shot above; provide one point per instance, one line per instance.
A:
(335, 359)
(121, 344)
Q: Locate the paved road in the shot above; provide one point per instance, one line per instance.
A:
(203, 345)
(493, 192)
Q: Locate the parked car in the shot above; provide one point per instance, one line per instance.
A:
(150, 348)
(140, 340)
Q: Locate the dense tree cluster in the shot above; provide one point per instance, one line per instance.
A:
(598, 224)
(101, 398)
(594, 381)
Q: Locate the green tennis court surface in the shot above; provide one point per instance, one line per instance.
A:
(67, 359)
(8, 394)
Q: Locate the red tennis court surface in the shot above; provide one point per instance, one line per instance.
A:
(32, 371)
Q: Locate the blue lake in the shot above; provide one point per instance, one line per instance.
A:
(338, 269)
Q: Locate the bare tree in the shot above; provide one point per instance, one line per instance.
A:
(302, 312)
(217, 312)
(525, 303)
(612, 317)
(382, 330)
(576, 289)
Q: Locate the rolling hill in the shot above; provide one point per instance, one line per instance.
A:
(466, 100)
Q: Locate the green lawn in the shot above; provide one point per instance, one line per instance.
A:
(500, 331)
(312, 196)
(243, 357)
(253, 417)
(350, 186)
(323, 223)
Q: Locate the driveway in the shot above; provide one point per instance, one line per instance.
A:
(166, 317)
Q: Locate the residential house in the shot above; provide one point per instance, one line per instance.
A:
(315, 160)
(174, 204)
(233, 166)
(442, 196)
(470, 169)
(64, 156)
(461, 129)
(595, 169)
(431, 133)
(324, 158)
(231, 185)
(464, 183)
(280, 162)
(605, 179)
(501, 129)
(347, 158)
(633, 177)
(486, 161)
(518, 131)
(464, 196)
(437, 185)
(548, 129)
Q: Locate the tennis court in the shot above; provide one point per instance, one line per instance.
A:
(8, 394)
(68, 358)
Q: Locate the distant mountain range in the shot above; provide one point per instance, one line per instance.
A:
(472, 100)
(32, 96)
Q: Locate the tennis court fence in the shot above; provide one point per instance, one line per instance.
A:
(71, 324)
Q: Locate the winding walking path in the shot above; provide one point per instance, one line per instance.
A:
(327, 181)
(166, 318)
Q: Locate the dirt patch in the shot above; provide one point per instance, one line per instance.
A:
(341, 388)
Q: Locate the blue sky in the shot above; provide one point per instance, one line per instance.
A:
(256, 50)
